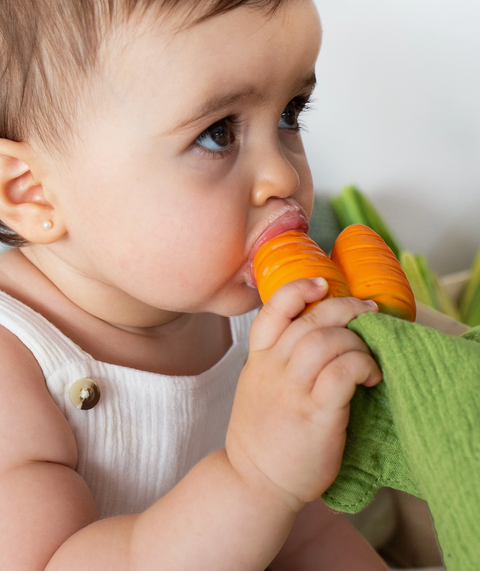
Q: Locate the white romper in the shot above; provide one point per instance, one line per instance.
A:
(148, 430)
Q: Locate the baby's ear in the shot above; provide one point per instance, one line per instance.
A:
(23, 205)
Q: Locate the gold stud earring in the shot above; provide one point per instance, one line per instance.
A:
(48, 225)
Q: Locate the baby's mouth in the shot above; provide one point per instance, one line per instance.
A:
(291, 220)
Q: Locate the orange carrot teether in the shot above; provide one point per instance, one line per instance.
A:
(361, 265)
(373, 272)
(292, 256)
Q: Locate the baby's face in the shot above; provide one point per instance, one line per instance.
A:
(189, 153)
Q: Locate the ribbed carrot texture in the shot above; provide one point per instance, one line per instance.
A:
(291, 256)
(361, 265)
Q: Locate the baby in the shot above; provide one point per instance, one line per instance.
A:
(153, 418)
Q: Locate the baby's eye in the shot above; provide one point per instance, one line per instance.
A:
(289, 118)
(218, 137)
(291, 113)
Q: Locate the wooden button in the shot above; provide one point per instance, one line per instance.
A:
(84, 393)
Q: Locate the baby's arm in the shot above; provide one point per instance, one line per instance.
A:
(235, 509)
(43, 501)
(323, 539)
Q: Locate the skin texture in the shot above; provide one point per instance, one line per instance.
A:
(148, 252)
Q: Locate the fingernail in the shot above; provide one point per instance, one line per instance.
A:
(322, 282)
(371, 303)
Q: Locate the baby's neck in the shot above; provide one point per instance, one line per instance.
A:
(187, 344)
(96, 297)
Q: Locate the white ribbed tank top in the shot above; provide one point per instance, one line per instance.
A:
(148, 430)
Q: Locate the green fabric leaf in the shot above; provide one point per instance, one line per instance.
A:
(418, 431)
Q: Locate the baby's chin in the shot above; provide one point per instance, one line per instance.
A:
(249, 301)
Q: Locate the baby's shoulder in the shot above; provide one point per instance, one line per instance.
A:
(38, 456)
(32, 428)
(31, 425)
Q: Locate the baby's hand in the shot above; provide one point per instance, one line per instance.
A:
(292, 405)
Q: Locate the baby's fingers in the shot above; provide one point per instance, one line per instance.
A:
(336, 384)
(282, 308)
(331, 313)
(337, 311)
(319, 347)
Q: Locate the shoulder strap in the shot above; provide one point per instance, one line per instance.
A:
(50, 347)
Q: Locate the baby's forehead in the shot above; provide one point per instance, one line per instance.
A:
(181, 42)
(186, 31)
(235, 59)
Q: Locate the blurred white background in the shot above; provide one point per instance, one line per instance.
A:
(397, 112)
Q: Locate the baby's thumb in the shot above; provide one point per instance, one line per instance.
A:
(285, 305)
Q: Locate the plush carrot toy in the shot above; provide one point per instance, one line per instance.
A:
(361, 265)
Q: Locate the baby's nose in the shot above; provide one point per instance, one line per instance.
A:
(276, 177)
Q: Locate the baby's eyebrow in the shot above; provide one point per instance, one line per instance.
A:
(224, 101)
(216, 104)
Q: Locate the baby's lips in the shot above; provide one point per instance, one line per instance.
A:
(286, 223)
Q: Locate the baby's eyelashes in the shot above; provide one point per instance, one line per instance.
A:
(217, 137)
(219, 140)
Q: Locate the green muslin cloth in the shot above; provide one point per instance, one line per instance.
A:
(418, 431)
